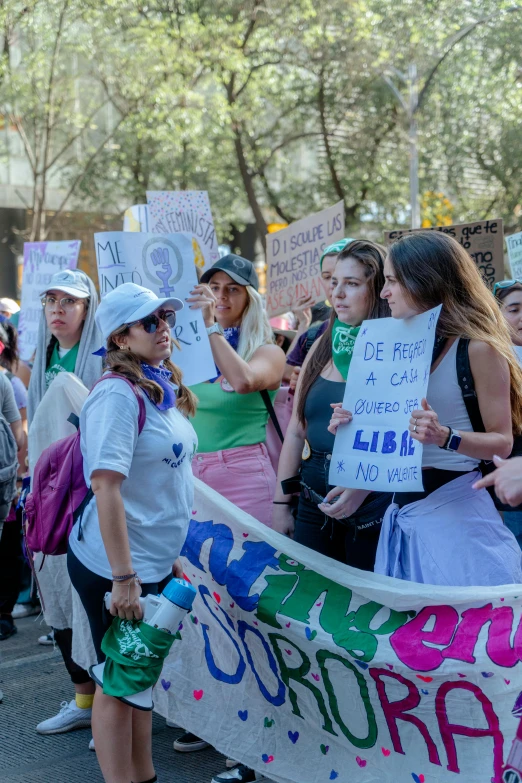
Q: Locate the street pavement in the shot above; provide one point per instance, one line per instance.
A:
(34, 682)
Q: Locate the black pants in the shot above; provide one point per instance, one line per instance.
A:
(92, 588)
(11, 564)
(326, 535)
(63, 639)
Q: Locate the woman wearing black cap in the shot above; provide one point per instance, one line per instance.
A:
(232, 415)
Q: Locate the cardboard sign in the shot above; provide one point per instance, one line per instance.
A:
(187, 211)
(388, 377)
(41, 261)
(310, 671)
(136, 218)
(165, 264)
(293, 256)
(514, 246)
(484, 241)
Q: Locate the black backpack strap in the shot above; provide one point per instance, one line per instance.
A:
(467, 385)
(271, 412)
(311, 335)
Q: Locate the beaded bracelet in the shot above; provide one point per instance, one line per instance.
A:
(281, 503)
(124, 577)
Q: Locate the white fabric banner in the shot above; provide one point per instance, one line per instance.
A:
(387, 379)
(41, 261)
(309, 670)
(187, 211)
(165, 264)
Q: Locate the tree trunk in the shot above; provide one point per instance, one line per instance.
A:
(249, 186)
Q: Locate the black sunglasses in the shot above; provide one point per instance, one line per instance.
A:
(151, 322)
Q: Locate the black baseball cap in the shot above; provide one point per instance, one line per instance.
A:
(239, 269)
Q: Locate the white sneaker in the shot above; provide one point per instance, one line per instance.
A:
(70, 717)
(91, 745)
(240, 773)
(46, 639)
(24, 610)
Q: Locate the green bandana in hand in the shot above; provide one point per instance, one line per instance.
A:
(135, 653)
(343, 341)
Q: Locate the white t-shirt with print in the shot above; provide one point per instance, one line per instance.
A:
(158, 490)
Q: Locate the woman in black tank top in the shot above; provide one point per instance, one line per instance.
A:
(306, 453)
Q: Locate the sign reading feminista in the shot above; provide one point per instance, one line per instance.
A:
(293, 256)
(165, 264)
(484, 241)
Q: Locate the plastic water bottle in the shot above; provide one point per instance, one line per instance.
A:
(167, 610)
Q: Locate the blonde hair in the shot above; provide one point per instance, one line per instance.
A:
(433, 268)
(128, 364)
(255, 328)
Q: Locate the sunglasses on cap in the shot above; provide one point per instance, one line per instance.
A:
(151, 322)
(505, 284)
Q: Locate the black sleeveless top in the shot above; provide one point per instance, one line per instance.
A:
(318, 412)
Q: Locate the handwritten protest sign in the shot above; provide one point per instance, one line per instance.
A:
(310, 671)
(41, 261)
(387, 379)
(484, 241)
(165, 264)
(514, 246)
(188, 211)
(136, 218)
(293, 256)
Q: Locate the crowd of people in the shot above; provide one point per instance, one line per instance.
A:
(260, 433)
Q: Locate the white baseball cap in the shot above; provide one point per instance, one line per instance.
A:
(70, 281)
(128, 303)
(9, 306)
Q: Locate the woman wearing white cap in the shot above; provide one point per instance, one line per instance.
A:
(67, 337)
(132, 530)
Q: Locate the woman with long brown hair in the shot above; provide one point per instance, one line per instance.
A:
(357, 281)
(424, 270)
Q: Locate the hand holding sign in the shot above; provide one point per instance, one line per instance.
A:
(426, 428)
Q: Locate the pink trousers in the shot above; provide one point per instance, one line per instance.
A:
(243, 475)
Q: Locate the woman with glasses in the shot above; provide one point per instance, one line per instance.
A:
(350, 532)
(137, 446)
(67, 338)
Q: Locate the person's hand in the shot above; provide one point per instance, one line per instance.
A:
(283, 520)
(294, 378)
(303, 313)
(339, 416)
(341, 503)
(125, 602)
(507, 480)
(426, 428)
(177, 569)
(202, 298)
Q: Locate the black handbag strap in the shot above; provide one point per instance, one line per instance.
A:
(271, 412)
(467, 385)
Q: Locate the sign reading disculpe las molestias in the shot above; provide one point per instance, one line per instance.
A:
(293, 256)
(387, 379)
(165, 264)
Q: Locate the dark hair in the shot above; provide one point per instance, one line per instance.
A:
(54, 340)
(371, 256)
(433, 269)
(9, 357)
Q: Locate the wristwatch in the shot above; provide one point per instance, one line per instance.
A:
(453, 442)
(215, 329)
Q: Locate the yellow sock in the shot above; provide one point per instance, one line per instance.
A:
(84, 700)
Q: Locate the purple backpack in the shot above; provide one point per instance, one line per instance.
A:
(59, 493)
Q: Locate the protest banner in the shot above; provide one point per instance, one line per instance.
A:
(514, 246)
(293, 256)
(165, 264)
(484, 241)
(136, 218)
(387, 379)
(188, 211)
(41, 261)
(308, 670)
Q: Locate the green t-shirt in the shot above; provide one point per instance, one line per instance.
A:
(226, 420)
(66, 364)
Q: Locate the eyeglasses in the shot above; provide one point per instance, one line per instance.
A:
(505, 284)
(67, 303)
(151, 322)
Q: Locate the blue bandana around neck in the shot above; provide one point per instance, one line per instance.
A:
(161, 376)
(231, 334)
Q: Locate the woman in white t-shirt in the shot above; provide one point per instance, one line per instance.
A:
(132, 530)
